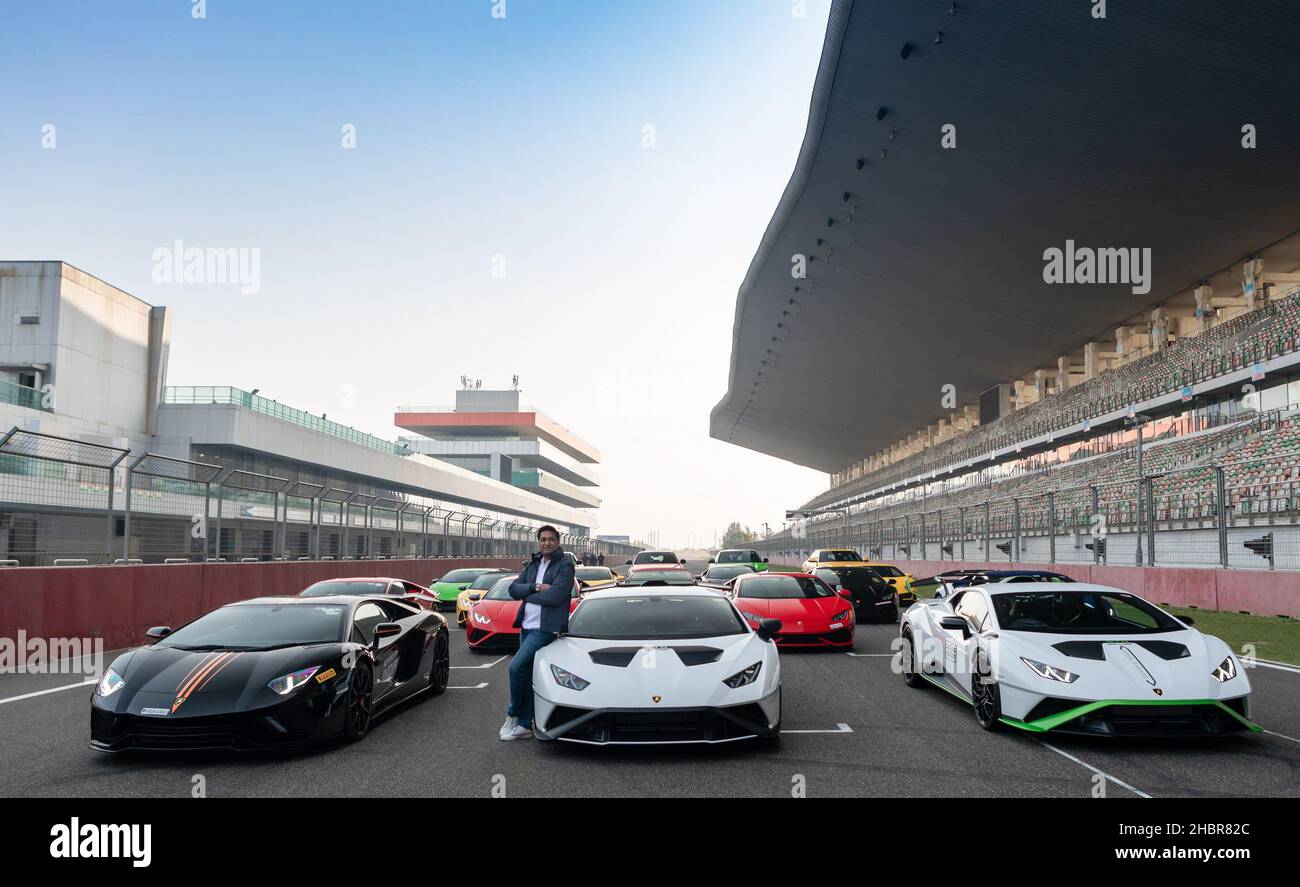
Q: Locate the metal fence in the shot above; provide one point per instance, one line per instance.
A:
(1232, 514)
(67, 502)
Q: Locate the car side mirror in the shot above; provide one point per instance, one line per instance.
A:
(768, 629)
(683, 562)
(764, 560)
(159, 632)
(956, 623)
(474, 597)
(711, 560)
(843, 592)
(628, 563)
(387, 630)
(1186, 620)
(464, 587)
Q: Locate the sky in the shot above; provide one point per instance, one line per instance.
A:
(571, 192)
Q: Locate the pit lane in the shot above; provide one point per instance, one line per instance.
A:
(852, 729)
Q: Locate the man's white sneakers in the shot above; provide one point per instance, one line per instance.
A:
(507, 727)
(517, 732)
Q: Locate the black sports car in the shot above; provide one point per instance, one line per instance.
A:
(270, 672)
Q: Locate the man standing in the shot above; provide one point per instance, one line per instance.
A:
(545, 587)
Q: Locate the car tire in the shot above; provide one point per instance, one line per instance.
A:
(908, 662)
(440, 670)
(986, 698)
(356, 719)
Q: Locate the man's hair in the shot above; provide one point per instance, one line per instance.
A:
(544, 528)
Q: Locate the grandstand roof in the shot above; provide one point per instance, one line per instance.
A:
(1119, 132)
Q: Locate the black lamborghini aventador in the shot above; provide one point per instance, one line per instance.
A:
(270, 672)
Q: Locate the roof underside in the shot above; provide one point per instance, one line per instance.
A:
(1119, 132)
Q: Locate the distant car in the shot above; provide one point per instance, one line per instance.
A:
(491, 620)
(449, 587)
(658, 666)
(873, 598)
(595, 577)
(651, 576)
(270, 672)
(721, 574)
(994, 577)
(366, 586)
(745, 556)
(1075, 658)
(846, 561)
(655, 558)
(811, 614)
(475, 592)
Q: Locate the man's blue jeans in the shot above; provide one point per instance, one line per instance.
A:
(521, 674)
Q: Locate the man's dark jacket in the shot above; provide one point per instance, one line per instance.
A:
(555, 600)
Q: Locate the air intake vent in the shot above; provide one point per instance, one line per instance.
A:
(27, 319)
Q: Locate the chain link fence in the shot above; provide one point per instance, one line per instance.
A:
(1241, 514)
(68, 502)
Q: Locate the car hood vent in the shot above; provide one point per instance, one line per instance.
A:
(1097, 649)
(621, 657)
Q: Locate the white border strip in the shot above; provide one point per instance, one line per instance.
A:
(85, 683)
(1121, 783)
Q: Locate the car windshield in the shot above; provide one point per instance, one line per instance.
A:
(501, 589)
(487, 580)
(260, 626)
(655, 557)
(346, 586)
(593, 574)
(887, 570)
(1080, 612)
(655, 618)
(842, 554)
(464, 576)
(668, 577)
(777, 587)
(736, 557)
(723, 574)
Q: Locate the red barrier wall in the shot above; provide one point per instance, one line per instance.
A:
(119, 603)
(1266, 593)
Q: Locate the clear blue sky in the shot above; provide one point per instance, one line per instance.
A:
(519, 138)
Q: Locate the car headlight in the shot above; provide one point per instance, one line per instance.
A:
(568, 679)
(1226, 671)
(286, 684)
(480, 618)
(840, 617)
(1051, 672)
(741, 678)
(110, 683)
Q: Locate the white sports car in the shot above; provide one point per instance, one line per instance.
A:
(658, 665)
(1074, 658)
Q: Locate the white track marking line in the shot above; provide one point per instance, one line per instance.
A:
(870, 655)
(85, 683)
(1121, 783)
(475, 687)
(1278, 666)
(486, 665)
(1281, 736)
(839, 728)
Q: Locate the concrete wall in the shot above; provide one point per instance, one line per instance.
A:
(120, 603)
(1252, 591)
(96, 342)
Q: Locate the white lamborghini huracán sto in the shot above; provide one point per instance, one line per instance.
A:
(1074, 658)
(658, 665)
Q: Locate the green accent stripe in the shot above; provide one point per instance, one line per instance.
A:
(1042, 725)
(943, 685)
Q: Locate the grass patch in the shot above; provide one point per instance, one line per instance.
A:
(1273, 637)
